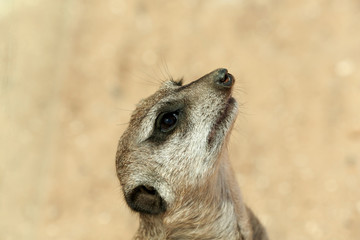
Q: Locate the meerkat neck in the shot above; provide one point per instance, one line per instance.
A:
(151, 228)
(215, 211)
(230, 193)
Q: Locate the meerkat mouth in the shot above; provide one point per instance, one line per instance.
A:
(223, 121)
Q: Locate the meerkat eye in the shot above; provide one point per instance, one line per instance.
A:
(167, 121)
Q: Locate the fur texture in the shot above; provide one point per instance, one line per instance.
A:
(180, 180)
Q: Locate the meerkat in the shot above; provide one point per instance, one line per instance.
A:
(173, 165)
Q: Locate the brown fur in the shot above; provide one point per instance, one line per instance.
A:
(181, 182)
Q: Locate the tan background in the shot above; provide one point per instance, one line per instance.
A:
(70, 71)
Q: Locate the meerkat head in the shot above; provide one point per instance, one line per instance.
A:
(173, 141)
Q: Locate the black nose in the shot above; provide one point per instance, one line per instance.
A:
(222, 78)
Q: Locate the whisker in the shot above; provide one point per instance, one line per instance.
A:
(166, 69)
(125, 110)
(146, 78)
(122, 124)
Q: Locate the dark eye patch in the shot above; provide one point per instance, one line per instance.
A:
(167, 121)
(169, 118)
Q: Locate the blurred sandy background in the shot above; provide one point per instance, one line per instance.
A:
(71, 71)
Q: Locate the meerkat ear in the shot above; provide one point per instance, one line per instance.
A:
(146, 199)
(178, 82)
(172, 83)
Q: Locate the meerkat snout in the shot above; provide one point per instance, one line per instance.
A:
(223, 78)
